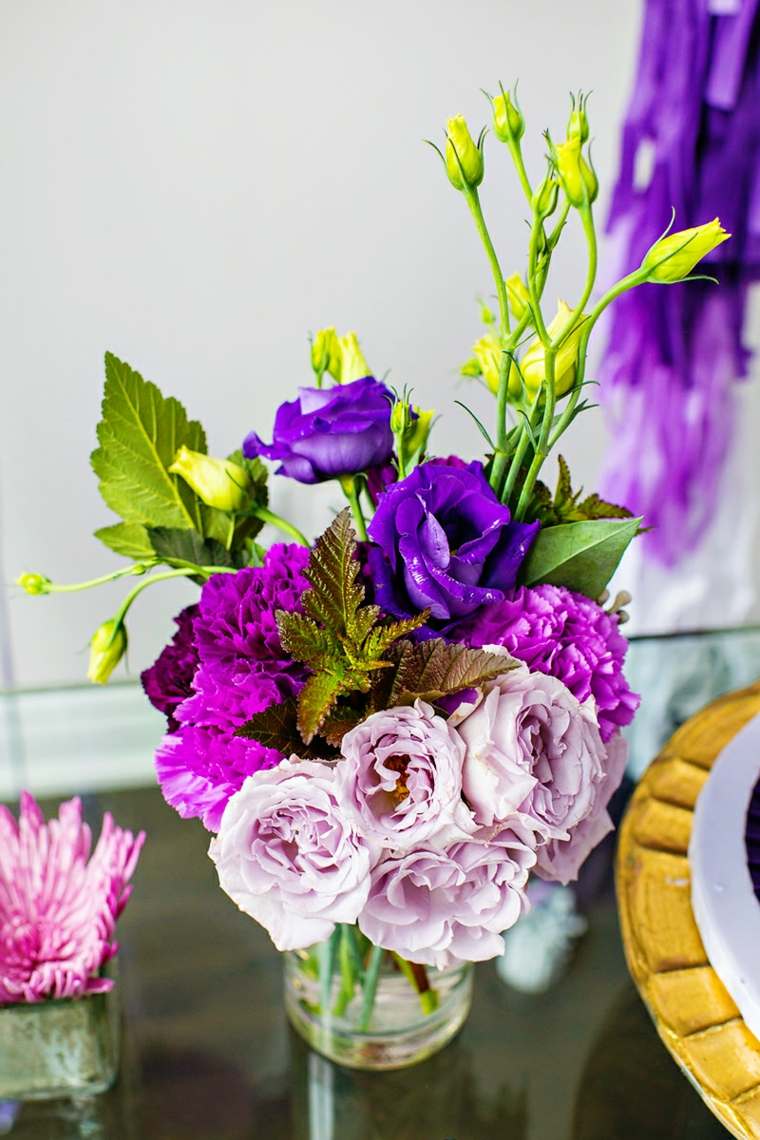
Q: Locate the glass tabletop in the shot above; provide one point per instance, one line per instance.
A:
(207, 1052)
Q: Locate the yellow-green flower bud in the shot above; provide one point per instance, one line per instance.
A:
(218, 483)
(590, 180)
(577, 124)
(349, 363)
(487, 315)
(544, 201)
(324, 351)
(518, 296)
(464, 161)
(673, 257)
(533, 363)
(568, 158)
(508, 123)
(34, 584)
(108, 646)
(488, 354)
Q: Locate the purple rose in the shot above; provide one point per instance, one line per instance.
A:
(169, 679)
(328, 432)
(445, 907)
(401, 776)
(532, 747)
(443, 541)
(566, 635)
(288, 857)
(560, 860)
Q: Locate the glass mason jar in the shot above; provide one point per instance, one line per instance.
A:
(59, 1048)
(368, 1008)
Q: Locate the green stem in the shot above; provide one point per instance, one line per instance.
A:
(542, 449)
(473, 201)
(121, 613)
(588, 228)
(126, 571)
(517, 157)
(370, 987)
(348, 974)
(326, 958)
(417, 978)
(348, 483)
(267, 516)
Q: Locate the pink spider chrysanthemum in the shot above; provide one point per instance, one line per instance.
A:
(58, 903)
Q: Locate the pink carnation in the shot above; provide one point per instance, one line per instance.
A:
(58, 905)
(442, 907)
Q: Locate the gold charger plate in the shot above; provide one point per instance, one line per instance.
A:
(694, 1015)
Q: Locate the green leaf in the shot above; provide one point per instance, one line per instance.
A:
(582, 556)
(308, 642)
(188, 546)
(433, 669)
(341, 720)
(277, 728)
(129, 539)
(138, 435)
(315, 701)
(335, 595)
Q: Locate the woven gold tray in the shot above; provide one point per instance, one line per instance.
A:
(693, 1013)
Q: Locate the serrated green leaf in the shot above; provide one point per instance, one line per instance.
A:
(594, 507)
(341, 720)
(379, 641)
(303, 639)
(335, 594)
(582, 556)
(188, 546)
(128, 539)
(277, 728)
(315, 701)
(138, 435)
(433, 669)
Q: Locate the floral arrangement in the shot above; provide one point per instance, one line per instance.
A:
(59, 903)
(389, 729)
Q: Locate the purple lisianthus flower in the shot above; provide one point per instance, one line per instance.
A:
(443, 907)
(328, 432)
(168, 681)
(241, 669)
(566, 635)
(287, 855)
(401, 776)
(560, 860)
(444, 542)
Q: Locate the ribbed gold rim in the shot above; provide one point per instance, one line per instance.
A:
(695, 1016)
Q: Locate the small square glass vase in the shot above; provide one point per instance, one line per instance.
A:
(60, 1048)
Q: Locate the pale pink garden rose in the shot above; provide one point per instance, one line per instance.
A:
(531, 746)
(59, 902)
(444, 907)
(288, 855)
(401, 777)
(560, 860)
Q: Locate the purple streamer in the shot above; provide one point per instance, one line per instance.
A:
(675, 352)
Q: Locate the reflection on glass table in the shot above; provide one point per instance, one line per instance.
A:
(207, 1052)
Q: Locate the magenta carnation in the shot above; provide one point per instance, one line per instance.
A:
(168, 681)
(58, 904)
(567, 636)
(242, 669)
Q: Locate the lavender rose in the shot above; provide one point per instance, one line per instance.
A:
(329, 432)
(531, 746)
(445, 907)
(287, 856)
(560, 860)
(556, 631)
(401, 776)
(443, 541)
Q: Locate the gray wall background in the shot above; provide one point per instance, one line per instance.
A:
(197, 185)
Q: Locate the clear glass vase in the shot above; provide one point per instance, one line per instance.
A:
(366, 1008)
(61, 1048)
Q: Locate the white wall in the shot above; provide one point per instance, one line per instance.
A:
(196, 185)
